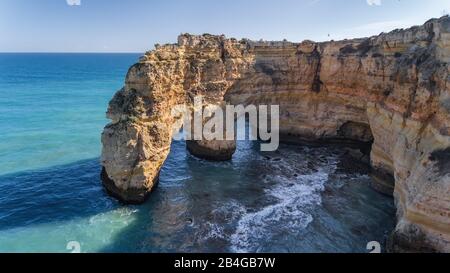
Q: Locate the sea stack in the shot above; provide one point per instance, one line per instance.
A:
(391, 91)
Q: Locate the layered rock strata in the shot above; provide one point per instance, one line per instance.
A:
(390, 91)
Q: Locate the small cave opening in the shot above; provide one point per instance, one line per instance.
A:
(357, 133)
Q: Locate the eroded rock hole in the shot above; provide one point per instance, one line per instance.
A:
(356, 131)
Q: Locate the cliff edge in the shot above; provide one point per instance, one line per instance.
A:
(390, 91)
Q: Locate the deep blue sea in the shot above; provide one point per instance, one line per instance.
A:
(52, 112)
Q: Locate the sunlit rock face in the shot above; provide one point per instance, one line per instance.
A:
(390, 91)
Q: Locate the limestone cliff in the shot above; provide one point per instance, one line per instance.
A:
(391, 90)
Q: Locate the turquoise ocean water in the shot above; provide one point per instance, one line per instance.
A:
(52, 111)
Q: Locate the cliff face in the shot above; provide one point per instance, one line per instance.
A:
(391, 90)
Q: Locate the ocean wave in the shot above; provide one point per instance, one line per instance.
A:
(295, 198)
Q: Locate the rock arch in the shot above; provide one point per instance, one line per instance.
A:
(396, 84)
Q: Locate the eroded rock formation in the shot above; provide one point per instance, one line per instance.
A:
(391, 90)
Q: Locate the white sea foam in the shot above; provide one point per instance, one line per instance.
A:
(296, 197)
(215, 231)
(229, 212)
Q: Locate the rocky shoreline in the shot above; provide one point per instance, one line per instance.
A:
(391, 90)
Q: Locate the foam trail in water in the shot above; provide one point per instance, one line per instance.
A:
(296, 197)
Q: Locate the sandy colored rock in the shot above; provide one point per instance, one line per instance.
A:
(391, 89)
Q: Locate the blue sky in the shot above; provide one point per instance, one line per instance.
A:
(136, 25)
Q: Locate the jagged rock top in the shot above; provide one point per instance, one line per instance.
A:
(394, 85)
(393, 41)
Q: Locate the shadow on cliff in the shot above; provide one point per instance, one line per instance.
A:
(57, 193)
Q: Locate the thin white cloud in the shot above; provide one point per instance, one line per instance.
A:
(73, 2)
(374, 2)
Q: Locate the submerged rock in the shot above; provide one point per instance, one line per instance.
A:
(391, 90)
